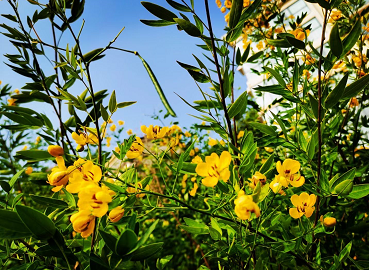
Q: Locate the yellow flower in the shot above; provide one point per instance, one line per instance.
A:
(154, 132)
(38, 139)
(136, 149)
(83, 138)
(309, 60)
(269, 149)
(108, 139)
(25, 147)
(203, 123)
(129, 132)
(83, 222)
(223, 9)
(192, 153)
(95, 199)
(84, 172)
(354, 102)
(329, 222)
(184, 179)
(174, 129)
(55, 150)
(278, 183)
(197, 160)
(116, 214)
(244, 206)
(256, 178)
(113, 128)
(299, 33)
(59, 175)
(240, 134)
(138, 190)
(304, 205)
(306, 73)
(16, 91)
(187, 134)
(212, 142)
(222, 142)
(194, 190)
(214, 168)
(290, 171)
(29, 170)
(120, 122)
(11, 102)
(219, 3)
(335, 15)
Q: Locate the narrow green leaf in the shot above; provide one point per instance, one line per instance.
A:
(255, 56)
(344, 188)
(125, 104)
(295, 42)
(267, 164)
(345, 252)
(33, 154)
(235, 13)
(281, 124)
(15, 178)
(248, 11)
(146, 252)
(109, 240)
(93, 55)
(335, 42)
(281, 43)
(188, 27)
(39, 224)
(126, 242)
(350, 174)
(104, 113)
(239, 106)
(49, 201)
(336, 93)
(157, 23)
(350, 40)
(277, 76)
(359, 191)
(112, 103)
(264, 128)
(354, 88)
(178, 6)
(159, 11)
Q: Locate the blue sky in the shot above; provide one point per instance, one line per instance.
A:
(123, 72)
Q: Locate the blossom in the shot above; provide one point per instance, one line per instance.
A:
(108, 139)
(194, 190)
(11, 102)
(309, 60)
(136, 149)
(154, 132)
(129, 132)
(240, 134)
(16, 91)
(329, 222)
(135, 190)
(212, 142)
(120, 122)
(256, 178)
(244, 206)
(85, 172)
(55, 150)
(59, 175)
(187, 134)
(278, 183)
(214, 168)
(299, 33)
(83, 138)
(83, 222)
(197, 160)
(95, 199)
(29, 170)
(113, 128)
(354, 102)
(289, 170)
(304, 205)
(116, 214)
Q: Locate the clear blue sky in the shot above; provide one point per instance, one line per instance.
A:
(123, 72)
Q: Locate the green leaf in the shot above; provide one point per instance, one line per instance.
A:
(109, 240)
(215, 225)
(5, 186)
(194, 230)
(281, 43)
(33, 155)
(359, 191)
(295, 42)
(39, 224)
(345, 252)
(104, 113)
(159, 11)
(267, 164)
(199, 77)
(239, 106)
(162, 262)
(350, 174)
(157, 23)
(344, 188)
(49, 201)
(188, 27)
(157, 87)
(112, 103)
(277, 76)
(93, 55)
(281, 124)
(11, 222)
(255, 56)
(335, 42)
(126, 242)
(248, 11)
(235, 13)
(350, 40)
(264, 128)
(178, 6)
(354, 88)
(147, 251)
(147, 234)
(125, 104)
(336, 93)
(15, 178)
(278, 90)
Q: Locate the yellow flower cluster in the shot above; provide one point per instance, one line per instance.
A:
(288, 175)
(304, 205)
(244, 206)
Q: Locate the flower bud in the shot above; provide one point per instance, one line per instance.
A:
(329, 222)
(80, 148)
(116, 214)
(55, 150)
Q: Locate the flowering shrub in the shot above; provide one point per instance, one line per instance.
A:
(281, 187)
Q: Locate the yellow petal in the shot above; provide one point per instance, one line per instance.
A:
(304, 197)
(292, 165)
(144, 129)
(295, 199)
(279, 167)
(225, 160)
(57, 188)
(309, 211)
(210, 181)
(202, 169)
(225, 174)
(295, 214)
(298, 181)
(312, 199)
(212, 159)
